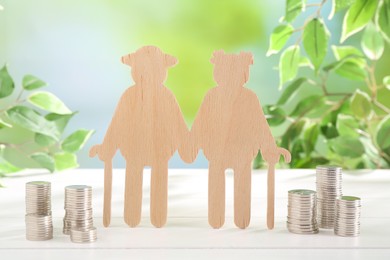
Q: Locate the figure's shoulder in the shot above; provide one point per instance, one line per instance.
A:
(131, 90)
(213, 93)
(248, 92)
(249, 95)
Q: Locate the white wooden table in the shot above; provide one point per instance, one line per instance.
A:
(187, 234)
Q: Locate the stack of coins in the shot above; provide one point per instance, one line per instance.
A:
(301, 217)
(347, 222)
(83, 236)
(78, 212)
(328, 190)
(39, 224)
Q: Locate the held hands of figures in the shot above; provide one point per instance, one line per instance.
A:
(188, 150)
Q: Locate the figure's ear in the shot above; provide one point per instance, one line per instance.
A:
(247, 56)
(128, 59)
(170, 61)
(216, 55)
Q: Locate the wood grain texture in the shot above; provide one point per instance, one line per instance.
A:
(231, 128)
(147, 128)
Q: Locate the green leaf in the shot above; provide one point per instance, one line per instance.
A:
(358, 15)
(339, 5)
(308, 106)
(7, 85)
(347, 146)
(288, 64)
(61, 121)
(33, 121)
(347, 125)
(351, 70)
(360, 104)
(6, 167)
(329, 131)
(386, 81)
(31, 82)
(372, 42)
(310, 137)
(49, 102)
(349, 52)
(278, 38)
(44, 140)
(315, 41)
(383, 19)
(297, 149)
(274, 114)
(4, 124)
(290, 91)
(305, 62)
(44, 160)
(292, 133)
(293, 9)
(76, 140)
(64, 161)
(383, 133)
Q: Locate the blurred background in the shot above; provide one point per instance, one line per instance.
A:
(76, 47)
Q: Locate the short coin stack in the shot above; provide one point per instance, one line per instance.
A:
(39, 224)
(328, 183)
(82, 236)
(347, 222)
(301, 217)
(78, 213)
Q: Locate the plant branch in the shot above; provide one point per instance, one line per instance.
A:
(381, 106)
(318, 13)
(372, 81)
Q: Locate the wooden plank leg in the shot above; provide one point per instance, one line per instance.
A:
(271, 197)
(216, 195)
(242, 195)
(107, 193)
(159, 195)
(133, 194)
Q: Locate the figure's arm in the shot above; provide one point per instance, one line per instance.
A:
(193, 142)
(267, 145)
(107, 149)
(197, 133)
(183, 135)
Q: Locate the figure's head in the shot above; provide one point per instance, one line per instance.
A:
(231, 69)
(149, 64)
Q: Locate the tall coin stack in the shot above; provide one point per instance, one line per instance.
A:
(328, 183)
(301, 217)
(39, 224)
(347, 223)
(78, 213)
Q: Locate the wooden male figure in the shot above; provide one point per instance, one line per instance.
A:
(147, 128)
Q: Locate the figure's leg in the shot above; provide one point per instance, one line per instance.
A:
(216, 195)
(133, 194)
(159, 194)
(107, 193)
(242, 195)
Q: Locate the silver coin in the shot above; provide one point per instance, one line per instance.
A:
(83, 236)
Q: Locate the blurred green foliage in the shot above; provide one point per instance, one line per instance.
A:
(191, 31)
(343, 126)
(31, 128)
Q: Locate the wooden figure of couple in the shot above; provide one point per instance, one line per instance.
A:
(148, 128)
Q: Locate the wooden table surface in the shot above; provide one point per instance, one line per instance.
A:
(187, 234)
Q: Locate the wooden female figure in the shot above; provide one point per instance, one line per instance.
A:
(231, 128)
